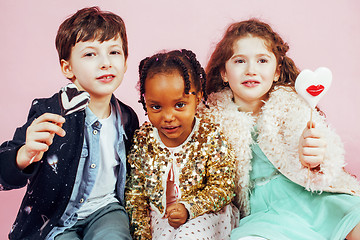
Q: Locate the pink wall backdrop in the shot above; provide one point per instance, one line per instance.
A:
(320, 33)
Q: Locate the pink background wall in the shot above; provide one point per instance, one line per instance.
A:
(320, 33)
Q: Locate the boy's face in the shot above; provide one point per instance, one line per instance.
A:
(95, 67)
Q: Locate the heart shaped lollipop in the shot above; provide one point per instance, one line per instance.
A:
(72, 100)
(313, 85)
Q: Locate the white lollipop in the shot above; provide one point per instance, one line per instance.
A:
(313, 85)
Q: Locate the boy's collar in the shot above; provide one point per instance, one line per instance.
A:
(91, 118)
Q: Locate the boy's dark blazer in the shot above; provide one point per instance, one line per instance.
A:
(49, 185)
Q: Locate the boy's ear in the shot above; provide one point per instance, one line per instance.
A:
(66, 69)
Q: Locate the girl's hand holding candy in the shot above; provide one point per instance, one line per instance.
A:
(312, 147)
(312, 86)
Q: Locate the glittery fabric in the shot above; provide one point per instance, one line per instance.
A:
(207, 174)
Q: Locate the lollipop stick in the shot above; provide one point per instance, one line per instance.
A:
(311, 113)
(32, 159)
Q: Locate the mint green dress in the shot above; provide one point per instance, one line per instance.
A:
(281, 209)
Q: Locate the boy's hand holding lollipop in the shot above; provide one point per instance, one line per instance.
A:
(40, 134)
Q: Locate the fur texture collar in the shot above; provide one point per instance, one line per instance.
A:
(280, 124)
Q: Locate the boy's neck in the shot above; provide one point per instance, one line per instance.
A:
(101, 108)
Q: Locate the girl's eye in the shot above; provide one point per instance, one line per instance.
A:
(90, 54)
(155, 107)
(180, 105)
(239, 61)
(115, 52)
(263, 60)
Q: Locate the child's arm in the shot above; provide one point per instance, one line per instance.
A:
(312, 146)
(39, 136)
(136, 201)
(220, 174)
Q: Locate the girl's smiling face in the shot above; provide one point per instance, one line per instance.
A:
(169, 109)
(250, 72)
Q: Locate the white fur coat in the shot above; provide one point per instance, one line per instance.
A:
(283, 119)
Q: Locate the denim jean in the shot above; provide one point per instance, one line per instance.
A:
(109, 222)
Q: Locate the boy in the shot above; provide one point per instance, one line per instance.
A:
(74, 166)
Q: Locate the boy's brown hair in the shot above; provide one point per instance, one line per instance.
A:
(89, 24)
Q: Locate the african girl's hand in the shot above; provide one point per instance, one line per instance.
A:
(312, 146)
(39, 136)
(177, 214)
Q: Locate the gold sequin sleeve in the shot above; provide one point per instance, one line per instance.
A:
(219, 175)
(137, 203)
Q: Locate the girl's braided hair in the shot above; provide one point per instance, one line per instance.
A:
(183, 61)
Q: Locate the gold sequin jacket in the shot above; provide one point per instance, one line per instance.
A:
(280, 125)
(207, 171)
